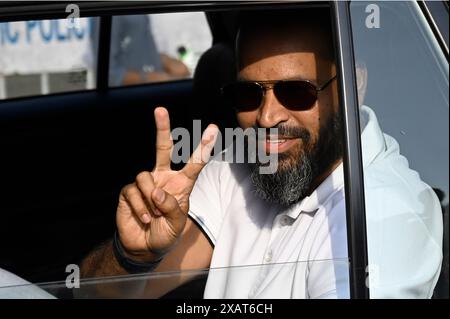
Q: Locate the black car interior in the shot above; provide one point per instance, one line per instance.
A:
(65, 158)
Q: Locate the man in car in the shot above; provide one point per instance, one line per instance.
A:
(280, 235)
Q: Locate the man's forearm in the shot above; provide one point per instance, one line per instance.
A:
(101, 263)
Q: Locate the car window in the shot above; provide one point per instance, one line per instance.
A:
(39, 57)
(153, 285)
(402, 77)
(156, 47)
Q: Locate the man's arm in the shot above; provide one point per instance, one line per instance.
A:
(193, 251)
(152, 214)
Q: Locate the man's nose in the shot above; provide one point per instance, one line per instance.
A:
(271, 112)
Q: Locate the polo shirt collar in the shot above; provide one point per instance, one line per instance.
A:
(319, 196)
(372, 143)
(372, 138)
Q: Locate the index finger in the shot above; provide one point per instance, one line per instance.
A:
(202, 153)
(164, 143)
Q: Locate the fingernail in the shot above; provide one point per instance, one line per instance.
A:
(209, 134)
(159, 195)
(146, 218)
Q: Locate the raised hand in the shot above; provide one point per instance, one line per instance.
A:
(152, 211)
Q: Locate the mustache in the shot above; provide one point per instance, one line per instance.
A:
(286, 130)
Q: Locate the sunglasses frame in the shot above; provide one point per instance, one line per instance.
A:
(270, 84)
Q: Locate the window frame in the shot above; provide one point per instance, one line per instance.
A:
(353, 167)
(436, 14)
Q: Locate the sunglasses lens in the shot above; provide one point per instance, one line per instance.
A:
(296, 95)
(243, 96)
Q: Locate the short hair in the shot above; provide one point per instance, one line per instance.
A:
(313, 18)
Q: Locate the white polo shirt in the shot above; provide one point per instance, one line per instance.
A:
(403, 217)
(263, 251)
(273, 253)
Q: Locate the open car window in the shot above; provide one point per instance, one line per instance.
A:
(100, 174)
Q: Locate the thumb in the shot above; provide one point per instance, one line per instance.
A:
(166, 204)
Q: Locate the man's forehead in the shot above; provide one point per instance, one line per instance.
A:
(289, 66)
(303, 44)
(282, 40)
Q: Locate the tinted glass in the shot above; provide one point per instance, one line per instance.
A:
(403, 91)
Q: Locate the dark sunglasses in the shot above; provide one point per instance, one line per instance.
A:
(296, 95)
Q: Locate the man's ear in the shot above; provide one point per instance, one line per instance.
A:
(361, 81)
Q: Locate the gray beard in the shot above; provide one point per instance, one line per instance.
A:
(286, 186)
(293, 181)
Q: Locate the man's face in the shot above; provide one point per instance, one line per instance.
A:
(284, 55)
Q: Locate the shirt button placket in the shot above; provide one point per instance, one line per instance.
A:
(284, 221)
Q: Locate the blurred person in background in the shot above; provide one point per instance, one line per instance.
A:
(134, 56)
